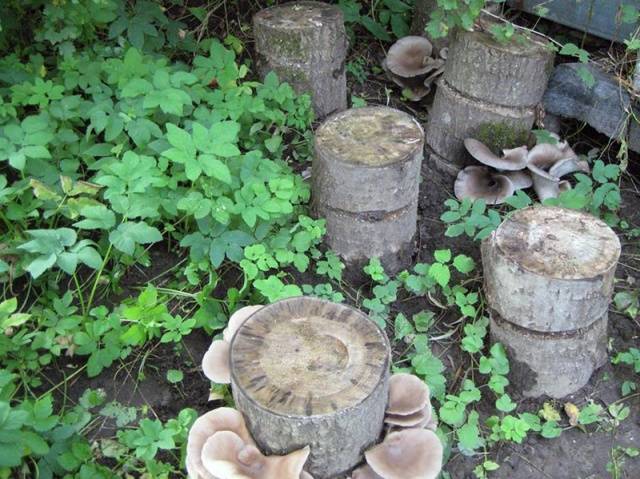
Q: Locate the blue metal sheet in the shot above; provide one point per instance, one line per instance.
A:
(598, 17)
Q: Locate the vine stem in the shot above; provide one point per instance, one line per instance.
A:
(98, 276)
(80, 297)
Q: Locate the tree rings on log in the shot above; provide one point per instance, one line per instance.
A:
(305, 371)
(305, 44)
(512, 74)
(455, 117)
(365, 179)
(548, 276)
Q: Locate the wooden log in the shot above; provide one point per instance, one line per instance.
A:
(305, 43)
(512, 74)
(305, 371)
(454, 117)
(548, 276)
(365, 179)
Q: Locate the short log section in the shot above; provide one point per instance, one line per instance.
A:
(305, 44)
(484, 82)
(365, 179)
(305, 371)
(548, 275)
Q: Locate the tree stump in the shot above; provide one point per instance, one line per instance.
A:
(305, 371)
(485, 82)
(455, 116)
(305, 44)
(548, 275)
(365, 179)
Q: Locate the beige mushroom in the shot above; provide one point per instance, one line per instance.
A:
(410, 453)
(432, 424)
(410, 65)
(479, 182)
(305, 475)
(416, 419)
(226, 456)
(408, 394)
(236, 320)
(365, 472)
(215, 362)
(220, 419)
(548, 186)
(521, 179)
(512, 159)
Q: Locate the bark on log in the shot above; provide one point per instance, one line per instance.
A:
(514, 74)
(305, 43)
(548, 276)
(454, 117)
(305, 371)
(366, 174)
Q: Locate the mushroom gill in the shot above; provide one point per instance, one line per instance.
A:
(479, 182)
(365, 472)
(221, 419)
(226, 456)
(415, 453)
(512, 159)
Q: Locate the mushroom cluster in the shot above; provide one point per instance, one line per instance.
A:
(215, 363)
(411, 448)
(410, 64)
(219, 446)
(501, 176)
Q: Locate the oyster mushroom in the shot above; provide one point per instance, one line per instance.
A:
(408, 394)
(226, 456)
(410, 453)
(521, 179)
(221, 419)
(416, 419)
(215, 362)
(410, 65)
(546, 187)
(479, 182)
(365, 472)
(513, 159)
(236, 320)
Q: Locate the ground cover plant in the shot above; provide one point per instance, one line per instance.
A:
(151, 185)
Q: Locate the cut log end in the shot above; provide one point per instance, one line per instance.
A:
(299, 15)
(372, 136)
(558, 243)
(306, 357)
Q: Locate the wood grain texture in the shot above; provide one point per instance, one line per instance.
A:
(305, 44)
(309, 372)
(548, 276)
(514, 74)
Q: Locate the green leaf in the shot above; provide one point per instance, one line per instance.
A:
(402, 327)
(128, 235)
(442, 255)
(505, 404)
(440, 273)
(96, 217)
(464, 264)
(174, 376)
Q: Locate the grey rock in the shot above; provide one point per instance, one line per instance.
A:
(604, 106)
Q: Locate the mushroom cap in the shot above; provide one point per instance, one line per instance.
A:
(408, 394)
(365, 472)
(215, 362)
(236, 320)
(513, 159)
(547, 186)
(416, 419)
(220, 419)
(478, 182)
(305, 475)
(432, 424)
(544, 156)
(226, 456)
(568, 165)
(417, 87)
(408, 57)
(410, 453)
(521, 179)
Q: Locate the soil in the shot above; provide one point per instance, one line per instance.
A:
(576, 454)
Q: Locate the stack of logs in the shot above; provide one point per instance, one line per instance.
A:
(484, 82)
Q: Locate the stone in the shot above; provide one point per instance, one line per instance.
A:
(604, 106)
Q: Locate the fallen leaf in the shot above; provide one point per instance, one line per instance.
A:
(573, 412)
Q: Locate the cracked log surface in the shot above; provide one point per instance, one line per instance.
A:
(366, 174)
(548, 276)
(305, 44)
(305, 371)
